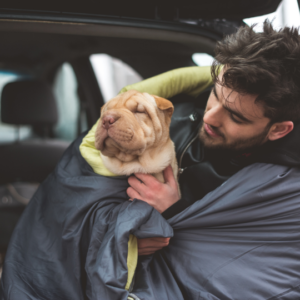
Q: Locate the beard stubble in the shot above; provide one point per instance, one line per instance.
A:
(237, 145)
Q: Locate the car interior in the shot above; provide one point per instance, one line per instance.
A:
(50, 92)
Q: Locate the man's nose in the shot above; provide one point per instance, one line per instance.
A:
(108, 120)
(213, 116)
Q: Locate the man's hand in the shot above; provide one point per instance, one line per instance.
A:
(147, 188)
(151, 245)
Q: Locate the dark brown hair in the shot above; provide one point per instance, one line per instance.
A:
(266, 64)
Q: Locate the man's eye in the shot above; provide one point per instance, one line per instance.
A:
(232, 117)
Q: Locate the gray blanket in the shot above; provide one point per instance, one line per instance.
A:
(241, 241)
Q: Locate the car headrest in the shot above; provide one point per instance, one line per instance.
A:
(28, 102)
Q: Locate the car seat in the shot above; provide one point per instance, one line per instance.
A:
(25, 163)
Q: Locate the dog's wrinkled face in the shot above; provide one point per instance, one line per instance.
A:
(131, 123)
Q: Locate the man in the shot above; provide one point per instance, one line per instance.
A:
(254, 103)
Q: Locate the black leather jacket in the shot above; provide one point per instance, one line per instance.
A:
(201, 171)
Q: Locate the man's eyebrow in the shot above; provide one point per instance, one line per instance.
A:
(240, 116)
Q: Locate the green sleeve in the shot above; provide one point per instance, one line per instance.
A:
(190, 80)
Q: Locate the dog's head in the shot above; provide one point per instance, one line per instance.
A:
(131, 123)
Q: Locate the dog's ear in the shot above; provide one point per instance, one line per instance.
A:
(165, 105)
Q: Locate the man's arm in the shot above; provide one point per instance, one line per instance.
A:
(176, 208)
(161, 196)
(189, 80)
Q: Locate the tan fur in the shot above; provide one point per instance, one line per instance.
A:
(138, 140)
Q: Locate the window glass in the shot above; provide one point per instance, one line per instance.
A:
(202, 59)
(112, 74)
(286, 14)
(68, 104)
(10, 133)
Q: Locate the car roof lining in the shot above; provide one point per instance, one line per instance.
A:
(151, 10)
(30, 43)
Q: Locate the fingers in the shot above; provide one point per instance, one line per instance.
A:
(147, 179)
(158, 195)
(133, 194)
(146, 187)
(169, 176)
(146, 252)
(151, 245)
(136, 184)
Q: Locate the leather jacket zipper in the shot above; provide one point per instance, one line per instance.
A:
(180, 170)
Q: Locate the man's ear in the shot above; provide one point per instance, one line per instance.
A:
(279, 130)
(165, 105)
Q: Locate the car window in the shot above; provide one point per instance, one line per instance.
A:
(70, 119)
(10, 133)
(112, 74)
(202, 59)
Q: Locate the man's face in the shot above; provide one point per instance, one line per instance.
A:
(233, 121)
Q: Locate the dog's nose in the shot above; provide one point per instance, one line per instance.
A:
(108, 121)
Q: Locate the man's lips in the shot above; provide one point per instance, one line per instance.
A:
(210, 131)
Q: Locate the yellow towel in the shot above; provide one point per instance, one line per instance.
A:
(93, 158)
